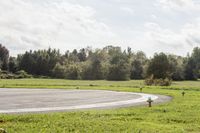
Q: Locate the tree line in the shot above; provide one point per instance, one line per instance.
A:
(110, 63)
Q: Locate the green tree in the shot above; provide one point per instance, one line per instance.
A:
(159, 67)
(73, 57)
(190, 69)
(196, 58)
(138, 63)
(82, 56)
(39, 62)
(12, 65)
(119, 68)
(59, 71)
(136, 70)
(176, 67)
(4, 57)
(192, 65)
(27, 62)
(73, 71)
(94, 68)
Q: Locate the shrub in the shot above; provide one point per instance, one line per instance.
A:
(73, 72)
(22, 74)
(149, 81)
(10, 76)
(158, 82)
(17, 75)
(59, 71)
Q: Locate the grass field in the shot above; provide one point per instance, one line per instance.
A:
(181, 115)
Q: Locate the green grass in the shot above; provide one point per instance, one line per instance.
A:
(181, 115)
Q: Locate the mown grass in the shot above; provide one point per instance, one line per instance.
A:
(181, 115)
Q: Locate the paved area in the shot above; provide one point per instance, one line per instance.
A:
(47, 100)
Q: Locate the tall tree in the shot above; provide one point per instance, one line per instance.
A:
(39, 62)
(82, 55)
(73, 71)
(12, 65)
(136, 70)
(4, 57)
(192, 65)
(159, 67)
(94, 67)
(59, 71)
(119, 68)
(73, 57)
(196, 58)
(176, 67)
(190, 70)
(138, 63)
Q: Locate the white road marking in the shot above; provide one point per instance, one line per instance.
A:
(143, 98)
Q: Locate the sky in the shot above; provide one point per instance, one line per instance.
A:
(171, 26)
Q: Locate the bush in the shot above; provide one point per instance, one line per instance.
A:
(10, 76)
(6, 76)
(22, 74)
(158, 82)
(17, 75)
(59, 71)
(73, 72)
(67, 71)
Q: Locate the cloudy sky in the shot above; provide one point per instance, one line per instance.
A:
(171, 26)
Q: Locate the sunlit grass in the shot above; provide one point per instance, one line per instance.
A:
(178, 116)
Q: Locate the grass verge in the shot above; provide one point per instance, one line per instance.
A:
(178, 116)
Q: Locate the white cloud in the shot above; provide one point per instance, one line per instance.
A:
(180, 5)
(29, 24)
(153, 16)
(127, 10)
(68, 24)
(174, 41)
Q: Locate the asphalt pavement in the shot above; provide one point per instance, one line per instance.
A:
(54, 100)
